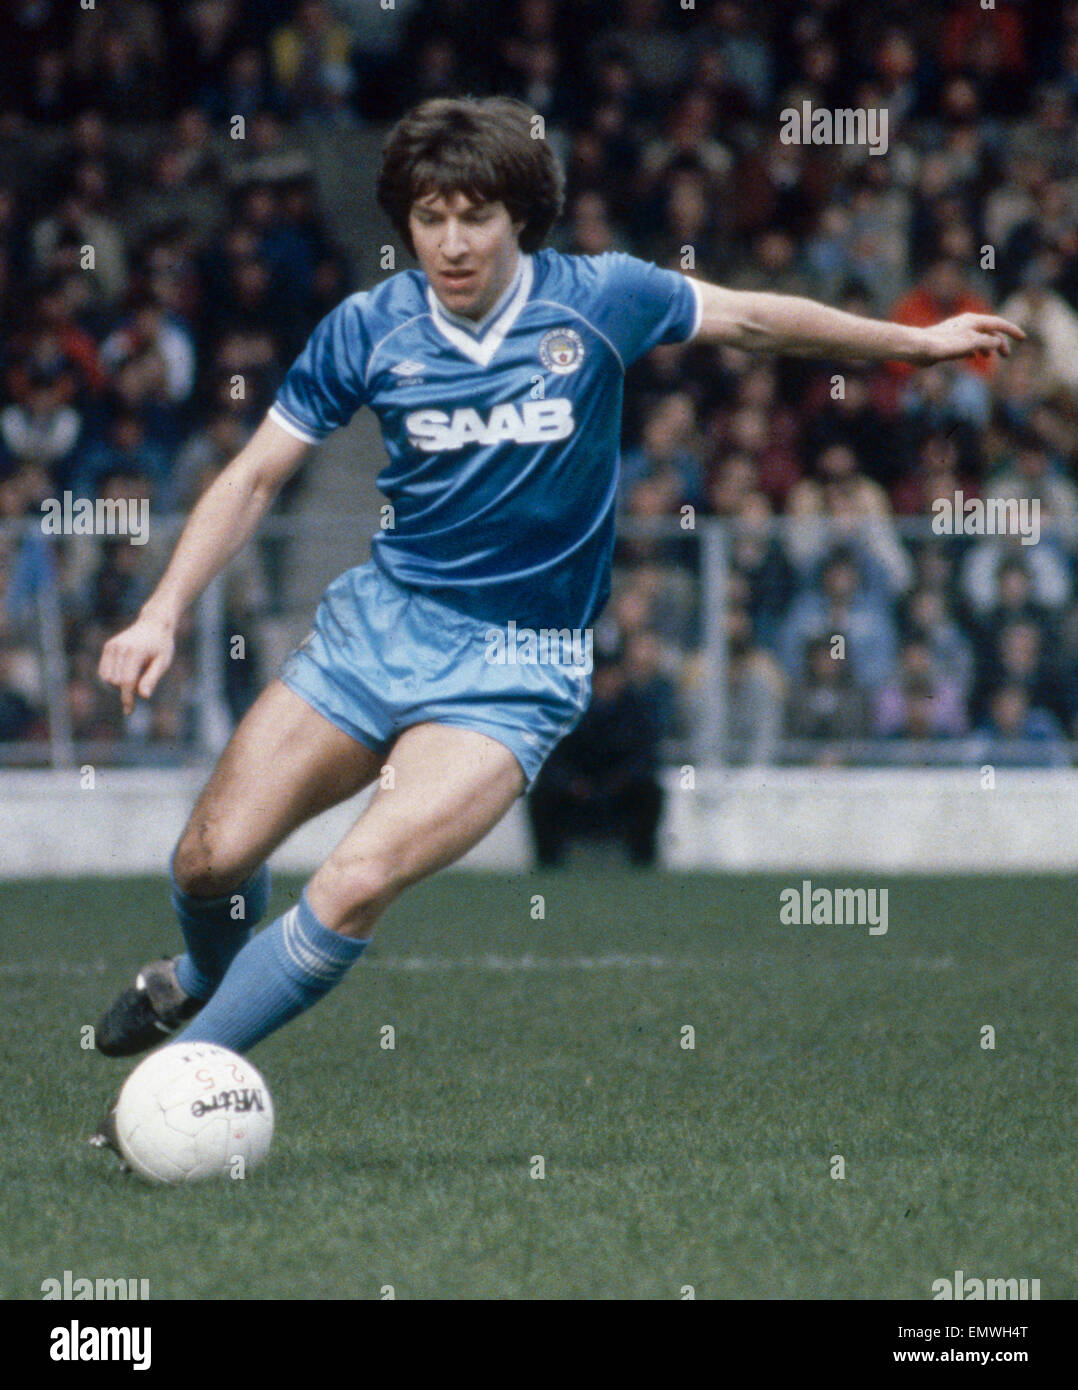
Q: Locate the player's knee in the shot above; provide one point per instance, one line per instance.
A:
(208, 861)
(347, 888)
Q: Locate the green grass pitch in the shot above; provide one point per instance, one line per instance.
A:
(664, 1166)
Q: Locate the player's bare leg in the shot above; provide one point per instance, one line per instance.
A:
(450, 786)
(284, 764)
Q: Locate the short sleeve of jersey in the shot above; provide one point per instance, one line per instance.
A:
(638, 305)
(325, 387)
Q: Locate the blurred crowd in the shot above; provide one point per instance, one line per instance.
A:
(141, 372)
(212, 263)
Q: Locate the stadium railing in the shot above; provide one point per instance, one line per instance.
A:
(61, 596)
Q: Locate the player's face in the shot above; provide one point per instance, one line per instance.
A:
(467, 250)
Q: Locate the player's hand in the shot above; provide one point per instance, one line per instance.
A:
(136, 659)
(965, 335)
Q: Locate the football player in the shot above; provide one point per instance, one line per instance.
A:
(496, 371)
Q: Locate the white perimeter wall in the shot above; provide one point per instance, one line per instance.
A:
(900, 821)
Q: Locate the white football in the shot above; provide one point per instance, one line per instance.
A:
(193, 1111)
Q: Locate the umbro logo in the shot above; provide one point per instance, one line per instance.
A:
(407, 368)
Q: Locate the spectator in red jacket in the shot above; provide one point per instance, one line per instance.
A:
(941, 292)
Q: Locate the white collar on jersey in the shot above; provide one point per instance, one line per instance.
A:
(480, 339)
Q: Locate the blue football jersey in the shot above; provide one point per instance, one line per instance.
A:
(502, 434)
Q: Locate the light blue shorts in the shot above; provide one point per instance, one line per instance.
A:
(381, 658)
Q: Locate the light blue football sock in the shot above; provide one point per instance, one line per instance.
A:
(214, 932)
(279, 973)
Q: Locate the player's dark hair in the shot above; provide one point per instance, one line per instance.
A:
(481, 147)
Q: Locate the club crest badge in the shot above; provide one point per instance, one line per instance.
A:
(561, 350)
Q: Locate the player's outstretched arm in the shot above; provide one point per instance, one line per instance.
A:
(804, 328)
(222, 522)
